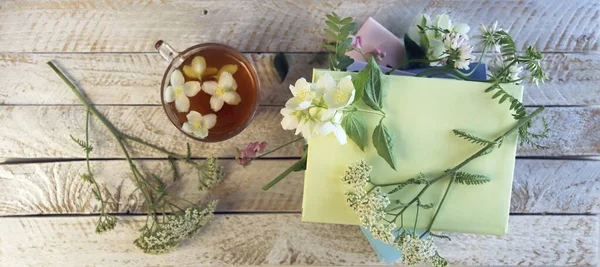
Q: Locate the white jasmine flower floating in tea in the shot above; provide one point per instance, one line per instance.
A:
(223, 91)
(179, 90)
(197, 69)
(198, 125)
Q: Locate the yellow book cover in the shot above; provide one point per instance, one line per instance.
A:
(421, 114)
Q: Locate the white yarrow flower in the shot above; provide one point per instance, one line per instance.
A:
(223, 91)
(341, 95)
(198, 125)
(383, 232)
(179, 90)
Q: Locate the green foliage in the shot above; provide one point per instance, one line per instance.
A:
(440, 236)
(515, 104)
(472, 138)
(338, 30)
(383, 142)
(416, 181)
(414, 53)
(470, 179)
(373, 93)
(173, 164)
(355, 129)
(531, 139)
(281, 65)
(85, 146)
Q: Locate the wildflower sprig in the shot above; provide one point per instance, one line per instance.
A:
(339, 30)
(167, 224)
(385, 217)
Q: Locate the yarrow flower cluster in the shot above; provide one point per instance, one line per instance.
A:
(370, 205)
(165, 236)
(419, 251)
(317, 108)
(212, 174)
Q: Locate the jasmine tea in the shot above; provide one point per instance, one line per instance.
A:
(209, 92)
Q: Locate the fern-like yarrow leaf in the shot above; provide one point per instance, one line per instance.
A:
(472, 138)
(339, 30)
(466, 178)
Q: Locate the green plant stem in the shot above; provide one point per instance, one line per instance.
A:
(279, 147)
(282, 175)
(106, 123)
(439, 207)
(477, 154)
(355, 109)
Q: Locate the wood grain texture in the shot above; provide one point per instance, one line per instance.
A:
(134, 79)
(540, 186)
(43, 132)
(280, 239)
(271, 26)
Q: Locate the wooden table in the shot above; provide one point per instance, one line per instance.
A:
(108, 48)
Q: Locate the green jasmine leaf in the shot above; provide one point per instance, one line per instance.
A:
(355, 129)
(344, 62)
(373, 95)
(414, 51)
(359, 80)
(335, 15)
(281, 65)
(382, 140)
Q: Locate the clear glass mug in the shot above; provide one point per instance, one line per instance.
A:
(231, 120)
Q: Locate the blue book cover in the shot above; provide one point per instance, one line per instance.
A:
(386, 252)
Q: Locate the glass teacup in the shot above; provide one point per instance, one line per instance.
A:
(208, 90)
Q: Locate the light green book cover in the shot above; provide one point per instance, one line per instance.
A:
(421, 114)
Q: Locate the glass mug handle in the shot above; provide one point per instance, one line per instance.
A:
(167, 52)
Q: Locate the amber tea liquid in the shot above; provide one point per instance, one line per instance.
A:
(230, 118)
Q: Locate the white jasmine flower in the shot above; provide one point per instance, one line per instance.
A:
(179, 90)
(303, 95)
(291, 118)
(443, 21)
(340, 96)
(458, 51)
(223, 91)
(324, 83)
(162, 237)
(197, 69)
(383, 232)
(198, 125)
(334, 125)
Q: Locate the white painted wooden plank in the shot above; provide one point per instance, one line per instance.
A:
(43, 132)
(280, 239)
(268, 26)
(135, 78)
(540, 186)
